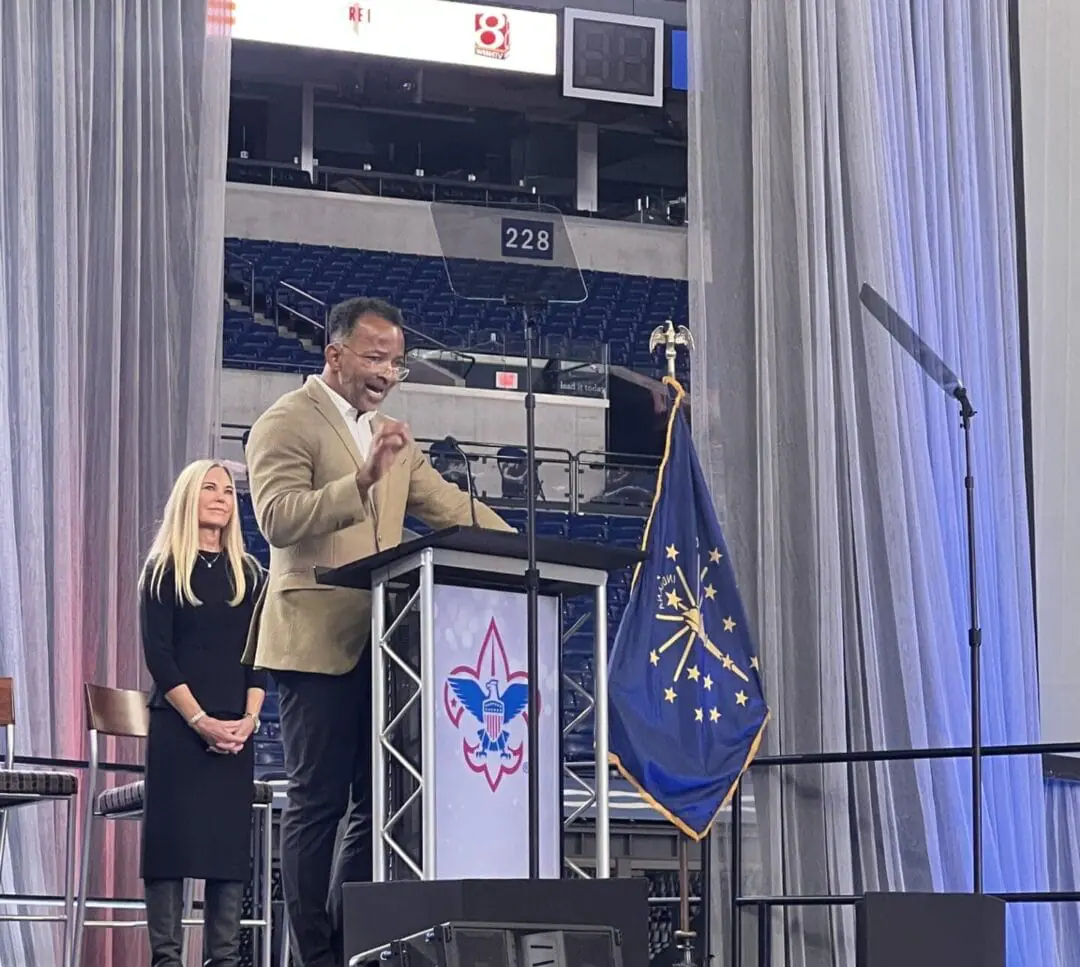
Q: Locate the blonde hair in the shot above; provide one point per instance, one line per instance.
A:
(177, 540)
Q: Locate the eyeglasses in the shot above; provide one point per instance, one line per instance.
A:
(378, 363)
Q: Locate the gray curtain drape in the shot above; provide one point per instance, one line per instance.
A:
(834, 143)
(113, 132)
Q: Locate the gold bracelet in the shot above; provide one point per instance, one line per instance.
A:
(196, 717)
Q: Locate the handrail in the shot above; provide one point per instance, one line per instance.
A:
(439, 345)
(229, 253)
(560, 456)
(496, 446)
(427, 179)
(301, 292)
(560, 356)
(620, 456)
(237, 434)
(571, 456)
(563, 458)
(525, 197)
(237, 257)
(492, 346)
(296, 312)
(433, 343)
(279, 305)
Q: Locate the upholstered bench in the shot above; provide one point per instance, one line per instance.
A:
(18, 784)
(126, 801)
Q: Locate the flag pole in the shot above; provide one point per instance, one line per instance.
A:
(670, 338)
(684, 936)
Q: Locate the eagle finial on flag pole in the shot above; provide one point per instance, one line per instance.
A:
(670, 337)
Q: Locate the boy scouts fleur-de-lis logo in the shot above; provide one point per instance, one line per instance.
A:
(490, 698)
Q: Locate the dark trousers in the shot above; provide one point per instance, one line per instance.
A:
(222, 909)
(326, 731)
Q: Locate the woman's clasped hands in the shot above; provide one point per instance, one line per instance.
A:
(225, 738)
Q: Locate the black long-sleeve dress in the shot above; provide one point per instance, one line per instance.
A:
(197, 816)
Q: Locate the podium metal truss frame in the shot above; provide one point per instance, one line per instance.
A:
(385, 726)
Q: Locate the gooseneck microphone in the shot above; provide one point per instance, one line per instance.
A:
(451, 442)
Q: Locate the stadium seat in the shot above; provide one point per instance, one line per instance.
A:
(621, 310)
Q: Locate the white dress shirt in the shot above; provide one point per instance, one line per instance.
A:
(359, 424)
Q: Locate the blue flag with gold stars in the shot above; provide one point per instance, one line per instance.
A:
(684, 693)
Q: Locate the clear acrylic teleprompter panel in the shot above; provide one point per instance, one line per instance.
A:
(514, 255)
(909, 340)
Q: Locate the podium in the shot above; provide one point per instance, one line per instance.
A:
(450, 757)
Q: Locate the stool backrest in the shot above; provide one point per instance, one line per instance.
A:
(7, 702)
(117, 711)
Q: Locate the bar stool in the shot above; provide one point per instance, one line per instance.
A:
(24, 787)
(123, 713)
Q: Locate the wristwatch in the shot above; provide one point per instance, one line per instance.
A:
(254, 720)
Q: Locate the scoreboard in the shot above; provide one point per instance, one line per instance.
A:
(613, 57)
(605, 56)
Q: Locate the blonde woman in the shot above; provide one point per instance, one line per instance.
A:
(196, 597)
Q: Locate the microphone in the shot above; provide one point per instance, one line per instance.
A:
(451, 442)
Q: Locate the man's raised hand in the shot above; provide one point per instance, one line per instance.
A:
(390, 438)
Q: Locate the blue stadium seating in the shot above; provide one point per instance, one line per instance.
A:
(251, 345)
(577, 650)
(621, 309)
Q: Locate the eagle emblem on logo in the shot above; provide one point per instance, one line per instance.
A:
(484, 700)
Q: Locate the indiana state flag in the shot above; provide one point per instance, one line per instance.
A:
(685, 699)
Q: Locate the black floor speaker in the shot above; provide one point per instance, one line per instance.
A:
(930, 930)
(378, 913)
(502, 945)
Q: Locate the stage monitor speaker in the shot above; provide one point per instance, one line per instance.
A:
(457, 945)
(500, 945)
(381, 913)
(576, 946)
(930, 930)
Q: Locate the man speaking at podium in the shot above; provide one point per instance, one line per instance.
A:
(332, 480)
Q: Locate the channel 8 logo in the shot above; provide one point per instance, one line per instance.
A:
(492, 35)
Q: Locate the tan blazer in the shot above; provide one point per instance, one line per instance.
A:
(302, 462)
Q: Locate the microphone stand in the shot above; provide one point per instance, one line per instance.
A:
(459, 450)
(934, 367)
(974, 642)
(532, 597)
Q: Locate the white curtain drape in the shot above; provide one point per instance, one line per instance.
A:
(836, 143)
(1050, 91)
(113, 128)
(1049, 48)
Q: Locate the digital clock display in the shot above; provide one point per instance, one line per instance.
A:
(614, 57)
